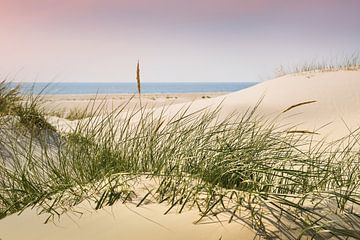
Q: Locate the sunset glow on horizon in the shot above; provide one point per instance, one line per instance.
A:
(192, 41)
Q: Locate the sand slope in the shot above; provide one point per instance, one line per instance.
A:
(334, 109)
(336, 94)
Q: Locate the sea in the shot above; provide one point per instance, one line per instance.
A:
(55, 88)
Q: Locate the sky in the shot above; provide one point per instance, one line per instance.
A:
(175, 40)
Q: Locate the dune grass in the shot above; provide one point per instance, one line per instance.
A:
(9, 97)
(282, 183)
(72, 114)
(347, 63)
(27, 109)
(77, 113)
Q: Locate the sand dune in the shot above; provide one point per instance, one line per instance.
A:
(333, 101)
(333, 108)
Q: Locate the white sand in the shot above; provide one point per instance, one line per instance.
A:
(337, 99)
(122, 222)
(336, 94)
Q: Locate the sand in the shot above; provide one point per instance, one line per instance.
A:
(111, 101)
(333, 113)
(122, 221)
(333, 110)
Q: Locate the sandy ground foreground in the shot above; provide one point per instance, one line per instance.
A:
(122, 221)
(333, 110)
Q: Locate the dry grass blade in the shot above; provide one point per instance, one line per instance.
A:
(302, 132)
(298, 105)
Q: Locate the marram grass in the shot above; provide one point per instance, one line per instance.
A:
(282, 183)
(345, 63)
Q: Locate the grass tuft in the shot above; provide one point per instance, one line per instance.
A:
(348, 63)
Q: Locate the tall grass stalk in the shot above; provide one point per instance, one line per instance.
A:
(138, 81)
(138, 78)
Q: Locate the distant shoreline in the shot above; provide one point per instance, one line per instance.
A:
(128, 95)
(84, 88)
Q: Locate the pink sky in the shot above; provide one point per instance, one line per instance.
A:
(228, 40)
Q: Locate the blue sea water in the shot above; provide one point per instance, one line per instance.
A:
(118, 87)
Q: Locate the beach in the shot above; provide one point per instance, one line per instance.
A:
(321, 105)
(66, 102)
(179, 120)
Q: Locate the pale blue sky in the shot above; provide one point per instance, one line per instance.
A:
(200, 41)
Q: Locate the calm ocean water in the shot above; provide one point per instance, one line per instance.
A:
(108, 88)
